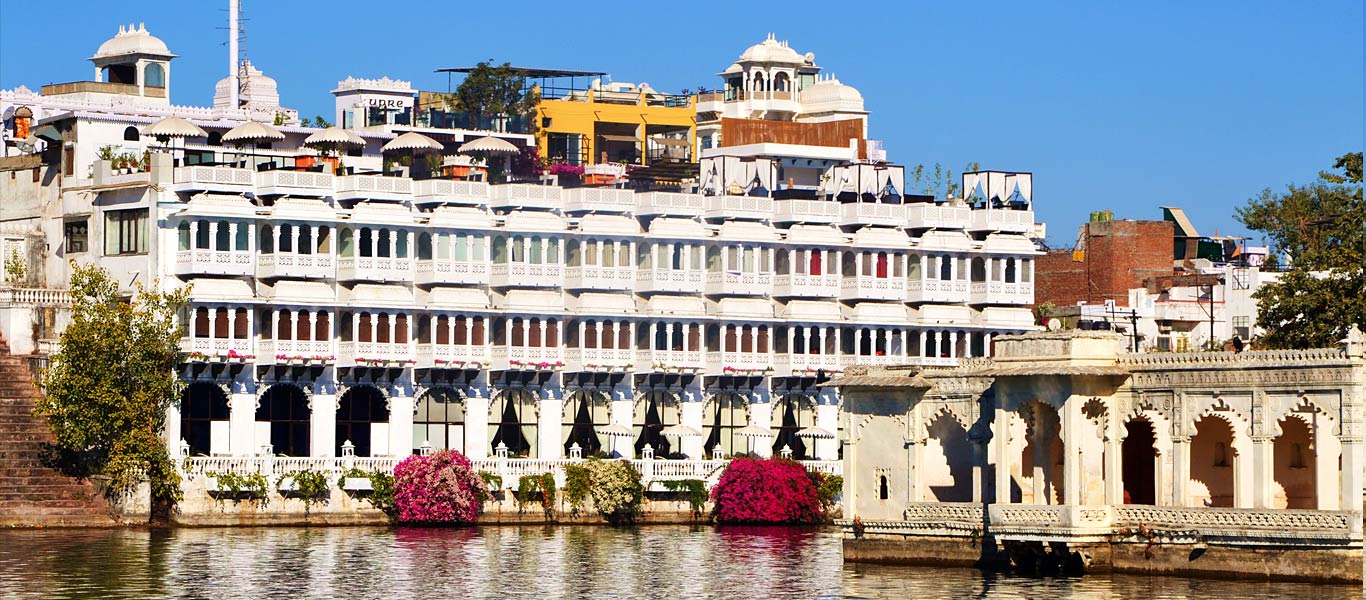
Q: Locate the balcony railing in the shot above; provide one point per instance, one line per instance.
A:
(805, 211)
(586, 199)
(1011, 221)
(453, 356)
(797, 364)
(374, 268)
(526, 195)
(598, 359)
(303, 266)
(526, 275)
(664, 361)
(930, 290)
(311, 350)
(670, 204)
(213, 179)
(739, 207)
(739, 284)
(198, 261)
(732, 363)
(795, 285)
(216, 346)
(995, 292)
(451, 192)
(456, 272)
(872, 213)
(374, 187)
(389, 353)
(882, 360)
(599, 278)
(526, 357)
(669, 281)
(873, 288)
(294, 183)
(922, 216)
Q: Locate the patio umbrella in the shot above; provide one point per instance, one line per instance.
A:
(489, 145)
(754, 431)
(681, 431)
(613, 430)
(332, 139)
(411, 144)
(816, 433)
(252, 133)
(172, 127)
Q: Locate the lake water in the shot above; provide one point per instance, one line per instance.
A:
(538, 563)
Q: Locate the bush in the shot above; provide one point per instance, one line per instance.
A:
(696, 490)
(616, 489)
(576, 487)
(828, 487)
(537, 487)
(437, 489)
(766, 491)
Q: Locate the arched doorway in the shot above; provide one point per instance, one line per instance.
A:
(440, 420)
(358, 410)
(201, 406)
(947, 462)
(791, 414)
(727, 417)
(1042, 457)
(514, 408)
(283, 418)
(1139, 459)
(1212, 462)
(660, 412)
(591, 413)
(1295, 465)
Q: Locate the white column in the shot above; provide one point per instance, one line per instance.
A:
(1072, 463)
(1181, 464)
(690, 414)
(827, 418)
(623, 414)
(1000, 442)
(477, 426)
(1113, 473)
(549, 432)
(401, 425)
(1351, 478)
(242, 425)
(171, 430)
(322, 425)
(1263, 473)
(761, 414)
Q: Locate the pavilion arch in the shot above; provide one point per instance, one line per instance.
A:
(1041, 469)
(652, 412)
(284, 420)
(791, 414)
(1306, 460)
(585, 412)
(439, 419)
(948, 458)
(723, 415)
(202, 404)
(512, 421)
(1140, 460)
(359, 410)
(1220, 451)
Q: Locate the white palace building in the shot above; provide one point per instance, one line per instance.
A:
(382, 310)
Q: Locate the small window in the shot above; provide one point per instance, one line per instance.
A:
(130, 134)
(125, 232)
(76, 235)
(883, 489)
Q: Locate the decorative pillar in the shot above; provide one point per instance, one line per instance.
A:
(1041, 446)
(322, 425)
(827, 418)
(1113, 469)
(476, 425)
(623, 414)
(1181, 465)
(241, 424)
(549, 425)
(1263, 473)
(401, 409)
(690, 410)
(761, 414)
(1072, 463)
(171, 431)
(1000, 441)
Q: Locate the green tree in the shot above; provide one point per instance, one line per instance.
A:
(109, 386)
(1322, 228)
(495, 90)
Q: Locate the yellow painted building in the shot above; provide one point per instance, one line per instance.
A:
(617, 123)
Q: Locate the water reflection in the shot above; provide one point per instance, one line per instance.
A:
(529, 562)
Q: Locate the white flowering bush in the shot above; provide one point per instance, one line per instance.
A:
(616, 489)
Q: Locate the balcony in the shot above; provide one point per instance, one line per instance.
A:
(931, 290)
(942, 315)
(739, 363)
(805, 211)
(525, 357)
(599, 278)
(311, 350)
(374, 187)
(526, 195)
(806, 286)
(937, 216)
(525, 275)
(872, 213)
(873, 288)
(452, 356)
(294, 183)
(668, 281)
(1004, 317)
(753, 208)
(299, 266)
(216, 346)
(675, 204)
(739, 284)
(995, 292)
(199, 261)
(391, 354)
(451, 272)
(605, 200)
(375, 268)
(799, 364)
(213, 179)
(881, 360)
(1008, 221)
(598, 359)
(664, 361)
(446, 191)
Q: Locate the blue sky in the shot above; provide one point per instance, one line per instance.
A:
(1126, 106)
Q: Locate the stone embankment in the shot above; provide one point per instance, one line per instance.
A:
(31, 493)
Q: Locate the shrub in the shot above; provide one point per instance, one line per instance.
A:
(773, 490)
(828, 487)
(310, 486)
(382, 493)
(576, 487)
(696, 490)
(438, 489)
(616, 489)
(531, 486)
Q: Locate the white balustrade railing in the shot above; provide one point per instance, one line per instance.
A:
(739, 363)
(931, 290)
(600, 278)
(34, 297)
(739, 207)
(446, 190)
(939, 216)
(669, 280)
(745, 284)
(873, 288)
(306, 266)
(797, 363)
(374, 186)
(526, 195)
(525, 357)
(217, 347)
(195, 177)
(596, 359)
(312, 351)
(526, 275)
(468, 272)
(872, 213)
(599, 200)
(200, 261)
(374, 268)
(384, 353)
(1012, 221)
(805, 211)
(806, 286)
(671, 360)
(453, 356)
(670, 203)
(298, 182)
(996, 292)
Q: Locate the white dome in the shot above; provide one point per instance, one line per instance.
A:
(130, 41)
(772, 51)
(831, 95)
(260, 92)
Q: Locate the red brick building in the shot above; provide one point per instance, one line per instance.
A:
(1111, 258)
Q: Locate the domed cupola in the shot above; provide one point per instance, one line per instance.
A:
(828, 95)
(135, 57)
(771, 51)
(258, 91)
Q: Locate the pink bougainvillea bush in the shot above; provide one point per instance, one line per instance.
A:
(438, 489)
(766, 491)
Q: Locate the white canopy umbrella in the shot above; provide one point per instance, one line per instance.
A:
(755, 431)
(253, 132)
(413, 141)
(333, 137)
(681, 431)
(174, 127)
(489, 145)
(816, 433)
(613, 430)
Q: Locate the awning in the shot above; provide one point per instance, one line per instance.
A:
(614, 430)
(816, 433)
(619, 138)
(681, 431)
(663, 141)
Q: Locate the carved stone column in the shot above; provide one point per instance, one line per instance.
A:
(549, 426)
(1181, 468)
(242, 424)
(401, 408)
(323, 425)
(1263, 471)
(1072, 463)
(477, 424)
(1000, 442)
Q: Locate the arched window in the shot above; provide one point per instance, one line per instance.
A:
(223, 237)
(201, 235)
(382, 242)
(815, 266)
(324, 240)
(883, 489)
(183, 232)
(130, 134)
(285, 407)
(346, 242)
(266, 240)
(215, 138)
(401, 244)
(305, 239)
(201, 322)
(1010, 270)
(243, 239)
(881, 266)
(154, 75)
(322, 326)
(979, 269)
(366, 242)
(424, 246)
(440, 420)
(200, 405)
(357, 411)
(286, 238)
(945, 268)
